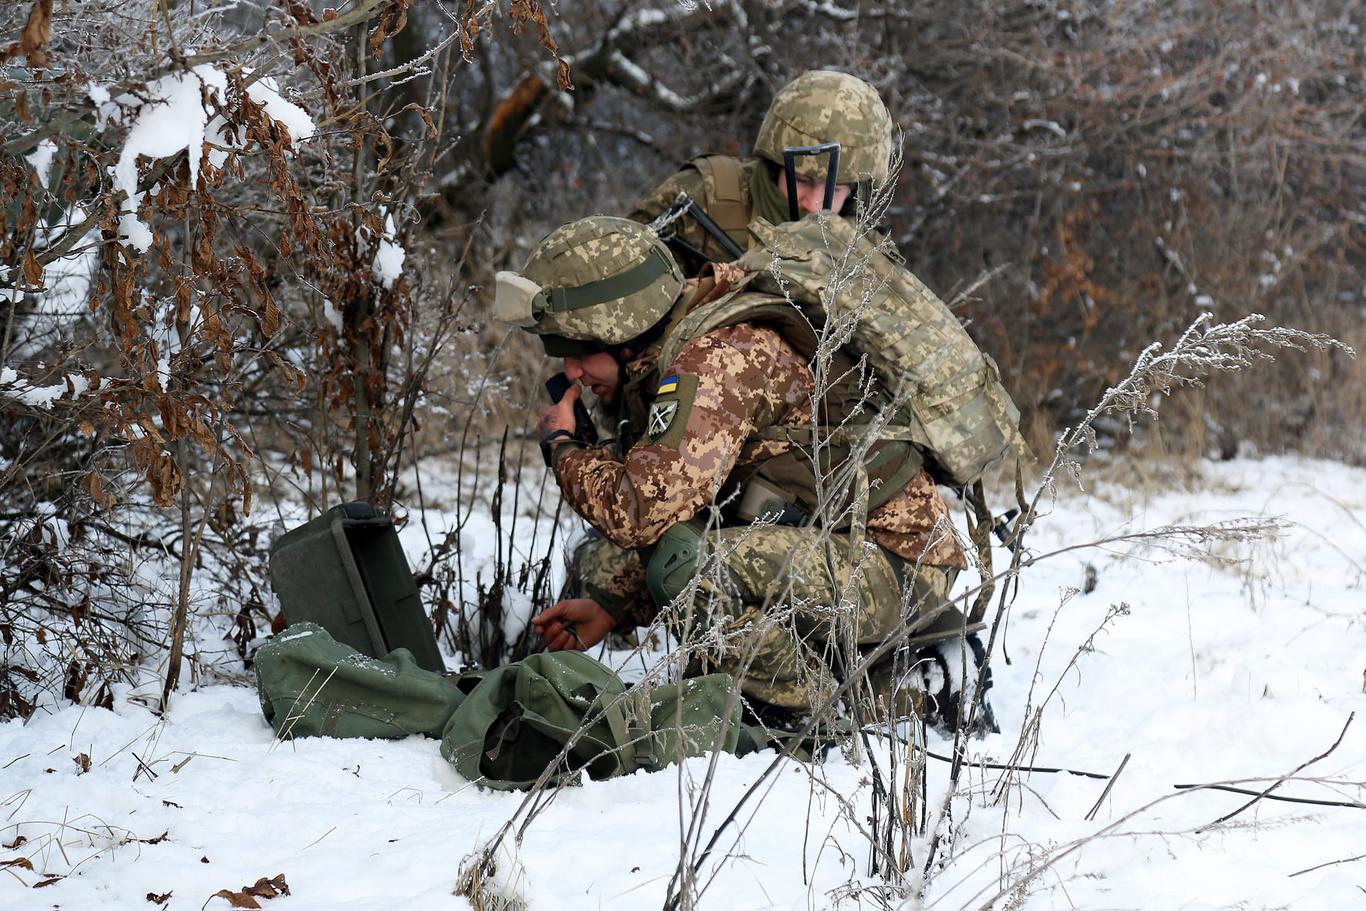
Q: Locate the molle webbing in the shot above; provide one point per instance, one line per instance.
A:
(956, 410)
(614, 287)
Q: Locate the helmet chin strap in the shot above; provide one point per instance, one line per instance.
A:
(832, 170)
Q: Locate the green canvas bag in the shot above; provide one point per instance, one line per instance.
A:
(314, 686)
(499, 728)
(517, 721)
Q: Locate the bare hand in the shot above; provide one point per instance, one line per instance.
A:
(578, 623)
(560, 416)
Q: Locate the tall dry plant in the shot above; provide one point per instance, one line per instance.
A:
(203, 299)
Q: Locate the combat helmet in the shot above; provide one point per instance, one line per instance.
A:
(828, 126)
(590, 285)
(821, 107)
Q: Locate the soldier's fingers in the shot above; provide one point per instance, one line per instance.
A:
(549, 615)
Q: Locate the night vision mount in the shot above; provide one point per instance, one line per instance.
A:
(832, 169)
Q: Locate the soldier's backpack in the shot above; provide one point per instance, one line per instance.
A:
(938, 390)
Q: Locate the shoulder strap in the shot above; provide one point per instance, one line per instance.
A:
(727, 199)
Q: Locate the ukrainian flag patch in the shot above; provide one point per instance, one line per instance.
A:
(667, 419)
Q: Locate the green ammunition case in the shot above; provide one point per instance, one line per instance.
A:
(346, 572)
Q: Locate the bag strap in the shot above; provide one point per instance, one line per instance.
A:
(728, 200)
(631, 730)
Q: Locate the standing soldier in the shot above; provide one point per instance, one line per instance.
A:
(711, 427)
(825, 141)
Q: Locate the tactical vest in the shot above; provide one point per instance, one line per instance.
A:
(907, 386)
(788, 487)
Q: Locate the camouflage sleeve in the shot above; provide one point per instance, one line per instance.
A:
(615, 578)
(723, 386)
(653, 203)
(915, 525)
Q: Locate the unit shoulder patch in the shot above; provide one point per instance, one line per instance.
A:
(668, 414)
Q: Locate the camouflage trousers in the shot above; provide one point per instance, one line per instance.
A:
(786, 611)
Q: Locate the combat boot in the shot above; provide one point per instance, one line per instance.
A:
(948, 675)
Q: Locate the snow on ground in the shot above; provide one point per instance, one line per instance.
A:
(1214, 673)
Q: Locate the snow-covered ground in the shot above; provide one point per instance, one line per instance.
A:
(1238, 671)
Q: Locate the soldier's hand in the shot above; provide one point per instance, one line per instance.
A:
(578, 623)
(560, 416)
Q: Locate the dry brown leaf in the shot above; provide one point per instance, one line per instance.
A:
(33, 270)
(159, 899)
(94, 485)
(22, 862)
(36, 36)
(469, 31)
(82, 762)
(426, 116)
(262, 888)
(388, 27)
(166, 479)
(237, 899)
(268, 888)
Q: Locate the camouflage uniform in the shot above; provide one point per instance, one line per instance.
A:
(777, 612)
(817, 107)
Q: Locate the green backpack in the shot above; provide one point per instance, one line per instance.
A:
(954, 408)
(501, 728)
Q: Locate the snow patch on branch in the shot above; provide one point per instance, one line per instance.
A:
(41, 160)
(266, 91)
(13, 387)
(388, 263)
(172, 120)
(173, 116)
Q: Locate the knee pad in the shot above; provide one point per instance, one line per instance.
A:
(673, 563)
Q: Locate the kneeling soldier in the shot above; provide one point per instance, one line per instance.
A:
(746, 568)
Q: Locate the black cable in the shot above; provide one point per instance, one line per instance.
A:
(1097, 775)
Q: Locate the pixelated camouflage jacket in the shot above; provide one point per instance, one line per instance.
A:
(707, 406)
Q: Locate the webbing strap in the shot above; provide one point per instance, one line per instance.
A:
(614, 287)
(632, 735)
(728, 206)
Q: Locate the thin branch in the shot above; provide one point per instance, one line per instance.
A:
(1280, 781)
